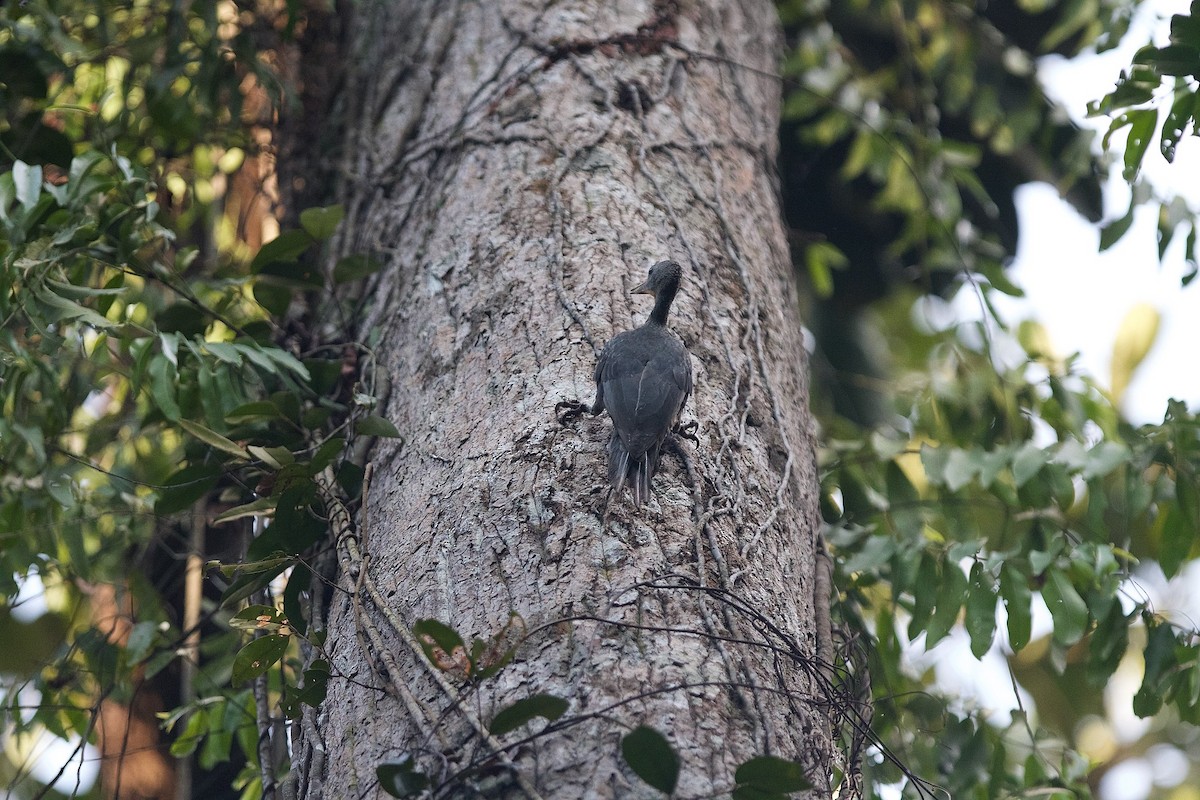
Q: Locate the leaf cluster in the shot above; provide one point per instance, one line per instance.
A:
(1158, 94)
(144, 376)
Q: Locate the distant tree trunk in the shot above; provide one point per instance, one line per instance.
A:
(518, 166)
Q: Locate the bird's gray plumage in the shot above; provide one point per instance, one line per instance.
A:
(643, 378)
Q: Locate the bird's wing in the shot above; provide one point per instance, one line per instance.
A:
(682, 373)
(643, 395)
(598, 376)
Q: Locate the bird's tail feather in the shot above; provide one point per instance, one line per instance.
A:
(634, 470)
(618, 462)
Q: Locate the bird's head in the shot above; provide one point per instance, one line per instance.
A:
(662, 274)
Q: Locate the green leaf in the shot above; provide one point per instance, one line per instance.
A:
(1142, 123)
(1159, 657)
(329, 450)
(401, 778)
(651, 757)
(959, 469)
(1067, 608)
(185, 487)
(1111, 233)
(286, 360)
(258, 656)
(252, 581)
(1107, 645)
(375, 425)
(1178, 118)
(1026, 463)
(273, 457)
(27, 179)
(316, 679)
(1175, 535)
(1014, 588)
(262, 507)
(771, 774)
(981, 610)
(65, 308)
(255, 617)
(353, 268)
(253, 411)
(1180, 60)
(509, 718)
(285, 248)
(432, 632)
(950, 595)
(274, 298)
(163, 382)
(197, 727)
(214, 439)
(320, 223)
(924, 592)
(1104, 458)
(142, 637)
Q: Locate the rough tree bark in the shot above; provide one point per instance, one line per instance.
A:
(518, 166)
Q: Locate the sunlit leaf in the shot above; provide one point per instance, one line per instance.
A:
(214, 439)
(1135, 337)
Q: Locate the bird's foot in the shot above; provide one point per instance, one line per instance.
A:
(569, 409)
(687, 430)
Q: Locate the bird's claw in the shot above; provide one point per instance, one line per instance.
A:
(687, 430)
(573, 409)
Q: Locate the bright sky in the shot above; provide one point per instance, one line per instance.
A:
(1081, 295)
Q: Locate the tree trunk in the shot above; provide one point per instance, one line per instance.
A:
(518, 166)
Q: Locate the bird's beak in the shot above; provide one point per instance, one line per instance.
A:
(642, 288)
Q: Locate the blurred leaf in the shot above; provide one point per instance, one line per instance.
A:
(320, 223)
(981, 610)
(27, 178)
(951, 591)
(773, 775)
(353, 268)
(374, 425)
(1135, 337)
(214, 439)
(285, 248)
(1067, 608)
(1176, 533)
(513, 716)
(1111, 233)
(651, 758)
(401, 778)
(1158, 657)
(185, 487)
(163, 383)
(431, 632)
